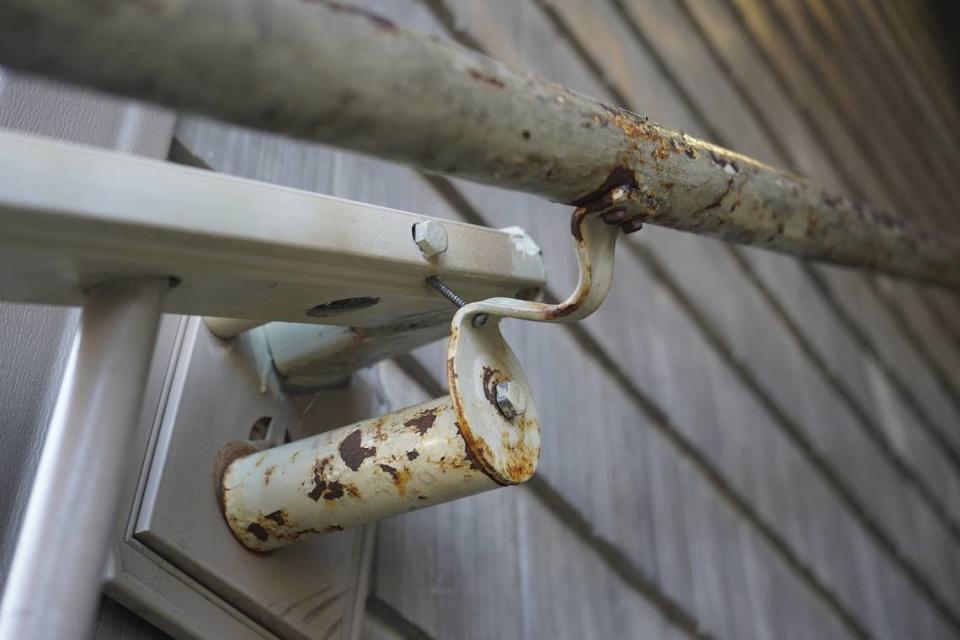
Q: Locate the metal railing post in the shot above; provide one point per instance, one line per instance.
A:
(53, 587)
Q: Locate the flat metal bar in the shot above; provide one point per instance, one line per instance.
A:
(327, 72)
(71, 217)
(53, 587)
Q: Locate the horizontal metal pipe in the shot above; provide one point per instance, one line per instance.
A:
(407, 460)
(327, 72)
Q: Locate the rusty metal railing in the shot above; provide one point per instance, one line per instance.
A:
(330, 73)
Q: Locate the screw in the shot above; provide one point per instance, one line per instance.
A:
(434, 281)
(431, 237)
(445, 291)
(510, 400)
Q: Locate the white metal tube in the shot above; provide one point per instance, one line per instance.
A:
(54, 583)
(406, 460)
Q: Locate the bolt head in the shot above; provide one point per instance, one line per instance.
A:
(430, 237)
(510, 399)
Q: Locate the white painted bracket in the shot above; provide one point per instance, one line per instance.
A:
(484, 435)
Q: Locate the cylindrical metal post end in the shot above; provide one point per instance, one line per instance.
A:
(53, 587)
(403, 461)
(229, 328)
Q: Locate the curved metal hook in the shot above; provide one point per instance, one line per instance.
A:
(595, 242)
(507, 447)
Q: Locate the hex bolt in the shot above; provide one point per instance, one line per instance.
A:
(430, 237)
(510, 400)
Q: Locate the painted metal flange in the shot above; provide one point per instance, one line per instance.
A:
(479, 360)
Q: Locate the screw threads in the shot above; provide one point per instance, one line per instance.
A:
(445, 291)
(478, 321)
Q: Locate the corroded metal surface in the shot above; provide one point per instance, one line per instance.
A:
(327, 72)
(406, 460)
(441, 450)
(479, 360)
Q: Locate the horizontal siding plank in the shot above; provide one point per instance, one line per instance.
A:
(866, 108)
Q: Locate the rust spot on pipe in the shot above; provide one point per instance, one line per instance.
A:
(719, 199)
(662, 149)
(486, 78)
(268, 473)
(322, 488)
(413, 455)
(423, 420)
(522, 461)
(326, 490)
(468, 453)
(258, 531)
(451, 370)
(619, 176)
(379, 432)
(390, 470)
(225, 457)
(401, 479)
(319, 486)
(277, 516)
(334, 491)
(353, 453)
(575, 221)
(724, 163)
(561, 310)
(478, 445)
